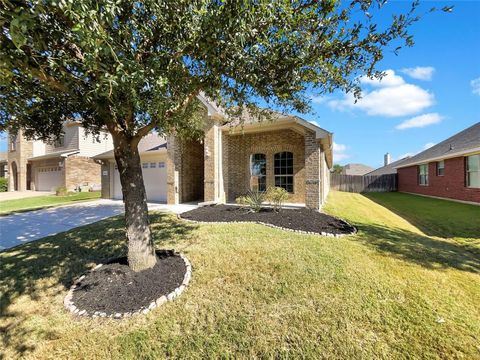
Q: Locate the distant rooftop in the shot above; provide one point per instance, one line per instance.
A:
(356, 169)
(388, 169)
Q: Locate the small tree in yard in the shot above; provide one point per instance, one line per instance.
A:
(277, 196)
(132, 67)
(337, 169)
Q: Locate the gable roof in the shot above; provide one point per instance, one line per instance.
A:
(464, 142)
(388, 169)
(356, 169)
(148, 144)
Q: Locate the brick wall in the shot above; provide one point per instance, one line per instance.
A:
(451, 185)
(313, 157)
(80, 170)
(185, 171)
(240, 147)
(24, 150)
(192, 171)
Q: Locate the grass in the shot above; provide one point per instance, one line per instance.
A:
(391, 291)
(457, 219)
(39, 202)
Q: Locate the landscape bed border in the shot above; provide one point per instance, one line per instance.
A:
(321, 233)
(74, 310)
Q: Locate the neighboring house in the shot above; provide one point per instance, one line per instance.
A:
(450, 169)
(45, 166)
(287, 151)
(388, 166)
(3, 164)
(356, 169)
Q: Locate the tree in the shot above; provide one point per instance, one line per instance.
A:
(337, 169)
(135, 66)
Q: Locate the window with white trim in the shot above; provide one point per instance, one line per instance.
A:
(283, 170)
(13, 142)
(473, 171)
(161, 164)
(60, 141)
(423, 174)
(258, 172)
(440, 168)
(145, 165)
(153, 165)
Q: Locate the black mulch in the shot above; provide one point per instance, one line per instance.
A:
(296, 219)
(114, 288)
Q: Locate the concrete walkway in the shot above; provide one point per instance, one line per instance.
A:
(14, 195)
(20, 228)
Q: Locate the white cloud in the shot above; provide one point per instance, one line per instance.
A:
(420, 72)
(390, 79)
(339, 152)
(475, 84)
(408, 154)
(428, 145)
(319, 99)
(393, 98)
(420, 121)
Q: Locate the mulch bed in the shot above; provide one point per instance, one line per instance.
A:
(115, 288)
(301, 219)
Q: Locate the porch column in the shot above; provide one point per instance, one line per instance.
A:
(174, 164)
(312, 172)
(212, 156)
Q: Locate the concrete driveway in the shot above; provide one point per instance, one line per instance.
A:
(20, 228)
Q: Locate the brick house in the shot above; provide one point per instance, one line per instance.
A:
(450, 169)
(287, 151)
(45, 166)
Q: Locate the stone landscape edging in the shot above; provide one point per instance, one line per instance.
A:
(322, 233)
(70, 306)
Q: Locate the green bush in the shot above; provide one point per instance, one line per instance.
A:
(3, 184)
(254, 200)
(277, 196)
(241, 200)
(61, 191)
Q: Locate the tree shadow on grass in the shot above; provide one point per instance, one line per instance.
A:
(434, 217)
(31, 268)
(420, 249)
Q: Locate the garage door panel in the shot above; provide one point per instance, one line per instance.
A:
(155, 180)
(49, 178)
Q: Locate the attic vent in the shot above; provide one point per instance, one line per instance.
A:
(451, 147)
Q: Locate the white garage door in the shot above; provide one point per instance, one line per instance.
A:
(155, 178)
(49, 178)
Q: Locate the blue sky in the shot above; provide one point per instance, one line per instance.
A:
(430, 88)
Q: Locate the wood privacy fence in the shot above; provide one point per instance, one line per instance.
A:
(367, 183)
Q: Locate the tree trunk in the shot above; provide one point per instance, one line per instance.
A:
(141, 250)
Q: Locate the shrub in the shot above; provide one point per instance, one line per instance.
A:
(61, 191)
(277, 196)
(241, 200)
(3, 184)
(254, 200)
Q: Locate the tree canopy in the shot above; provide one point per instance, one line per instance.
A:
(137, 65)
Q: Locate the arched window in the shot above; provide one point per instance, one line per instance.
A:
(258, 172)
(283, 169)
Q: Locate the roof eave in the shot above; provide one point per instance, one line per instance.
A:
(466, 152)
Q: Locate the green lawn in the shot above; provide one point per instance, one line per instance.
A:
(40, 202)
(391, 291)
